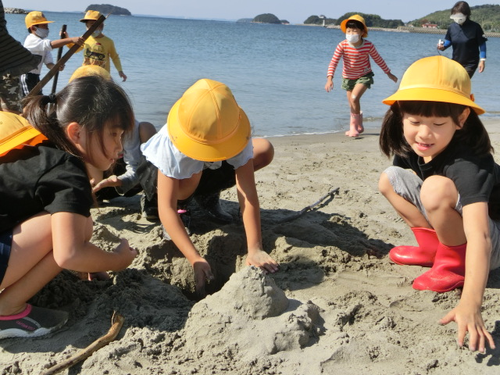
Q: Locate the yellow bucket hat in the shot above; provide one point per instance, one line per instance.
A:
(16, 132)
(90, 70)
(207, 124)
(35, 18)
(355, 17)
(91, 15)
(436, 79)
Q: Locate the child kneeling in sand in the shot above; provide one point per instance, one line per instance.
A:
(45, 222)
(205, 147)
(445, 185)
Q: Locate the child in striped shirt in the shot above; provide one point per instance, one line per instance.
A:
(357, 73)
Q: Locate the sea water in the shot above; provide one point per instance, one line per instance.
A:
(276, 72)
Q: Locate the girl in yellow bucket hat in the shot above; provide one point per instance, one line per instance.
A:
(445, 185)
(357, 75)
(206, 146)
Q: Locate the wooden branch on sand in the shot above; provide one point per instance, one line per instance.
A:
(116, 325)
(331, 194)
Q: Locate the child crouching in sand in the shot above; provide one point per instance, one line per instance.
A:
(45, 222)
(206, 147)
(445, 185)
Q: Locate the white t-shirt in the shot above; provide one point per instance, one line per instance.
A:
(40, 47)
(162, 153)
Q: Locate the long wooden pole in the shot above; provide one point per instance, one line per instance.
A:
(59, 55)
(36, 90)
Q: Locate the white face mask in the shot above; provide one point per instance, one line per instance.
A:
(458, 18)
(96, 32)
(42, 33)
(352, 38)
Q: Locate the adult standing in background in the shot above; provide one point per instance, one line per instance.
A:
(467, 39)
(15, 60)
(99, 48)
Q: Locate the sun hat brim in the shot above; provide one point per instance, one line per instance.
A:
(354, 18)
(197, 150)
(437, 79)
(16, 131)
(432, 95)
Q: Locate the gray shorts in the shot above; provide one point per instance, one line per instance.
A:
(407, 185)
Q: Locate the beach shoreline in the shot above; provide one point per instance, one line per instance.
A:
(337, 305)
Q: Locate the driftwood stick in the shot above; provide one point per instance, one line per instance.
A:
(331, 194)
(116, 325)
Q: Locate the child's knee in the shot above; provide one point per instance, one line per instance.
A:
(438, 192)
(384, 184)
(263, 153)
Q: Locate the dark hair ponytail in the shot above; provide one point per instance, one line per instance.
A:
(91, 101)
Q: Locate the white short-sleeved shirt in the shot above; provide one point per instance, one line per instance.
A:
(41, 47)
(162, 153)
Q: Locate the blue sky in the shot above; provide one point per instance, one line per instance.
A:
(295, 11)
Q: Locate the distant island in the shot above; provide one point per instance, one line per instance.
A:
(269, 18)
(106, 9)
(371, 20)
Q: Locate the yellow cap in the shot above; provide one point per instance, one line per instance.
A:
(207, 124)
(90, 70)
(436, 79)
(355, 17)
(91, 15)
(35, 18)
(15, 132)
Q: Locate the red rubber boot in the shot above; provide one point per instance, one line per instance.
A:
(421, 255)
(448, 271)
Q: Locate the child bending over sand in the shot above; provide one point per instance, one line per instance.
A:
(445, 185)
(205, 147)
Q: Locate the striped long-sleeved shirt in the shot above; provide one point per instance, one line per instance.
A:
(356, 59)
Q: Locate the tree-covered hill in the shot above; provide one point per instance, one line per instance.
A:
(488, 16)
(266, 18)
(106, 9)
(371, 20)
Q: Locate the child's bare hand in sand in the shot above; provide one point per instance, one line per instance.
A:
(259, 258)
(111, 181)
(469, 319)
(125, 253)
(202, 275)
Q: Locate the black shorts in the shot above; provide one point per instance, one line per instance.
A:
(5, 248)
(28, 82)
(214, 180)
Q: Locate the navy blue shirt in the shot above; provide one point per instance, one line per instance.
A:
(465, 40)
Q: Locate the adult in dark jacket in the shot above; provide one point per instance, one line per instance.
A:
(467, 39)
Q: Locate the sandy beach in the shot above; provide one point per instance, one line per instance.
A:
(337, 305)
